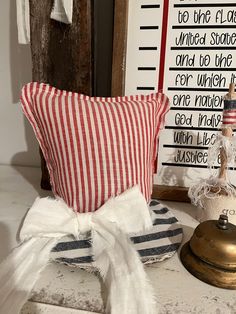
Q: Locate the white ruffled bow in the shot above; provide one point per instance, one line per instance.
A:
(129, 290)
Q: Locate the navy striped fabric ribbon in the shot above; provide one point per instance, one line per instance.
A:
(229, 104)
(159, 243)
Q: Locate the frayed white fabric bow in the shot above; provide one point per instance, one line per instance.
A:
(129, 290)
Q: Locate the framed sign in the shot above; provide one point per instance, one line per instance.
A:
(187, 49)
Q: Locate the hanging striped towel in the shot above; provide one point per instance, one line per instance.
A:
(158, 244)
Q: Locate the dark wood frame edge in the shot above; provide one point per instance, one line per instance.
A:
(170, 193)
(162, 192)
(119, 47)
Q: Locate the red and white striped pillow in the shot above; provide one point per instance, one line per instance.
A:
(95, 147)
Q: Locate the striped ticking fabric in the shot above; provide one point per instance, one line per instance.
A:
(159, 243)
(95, 147)
(229, 113)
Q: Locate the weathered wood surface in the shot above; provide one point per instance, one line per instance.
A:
(119, 47)
(62, 55)
(177, 291)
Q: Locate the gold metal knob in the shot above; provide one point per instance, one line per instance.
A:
(222, 222)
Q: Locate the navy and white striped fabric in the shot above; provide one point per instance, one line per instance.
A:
(159, 243)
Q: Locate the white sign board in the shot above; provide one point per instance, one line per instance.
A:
(187, 49)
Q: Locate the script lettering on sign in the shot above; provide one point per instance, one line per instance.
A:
(201, 42)
(187, 48)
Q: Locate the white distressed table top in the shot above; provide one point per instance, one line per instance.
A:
(67, 290)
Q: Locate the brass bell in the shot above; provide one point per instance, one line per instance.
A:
(210, 255)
